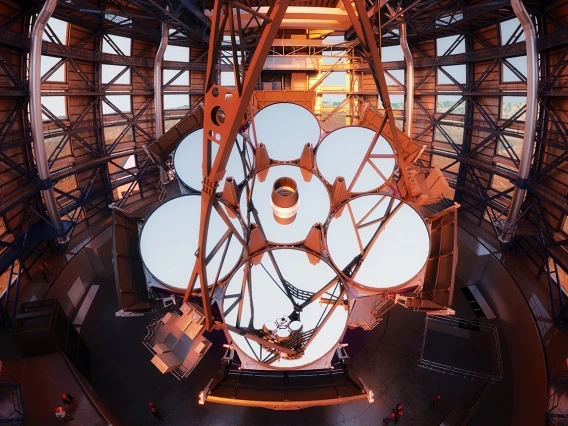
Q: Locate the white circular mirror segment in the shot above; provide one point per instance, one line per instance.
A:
(400, 250)
(168, 242)
(271, 307)
(343, 151)
(285, 129)
(188, 160)
(314, 205)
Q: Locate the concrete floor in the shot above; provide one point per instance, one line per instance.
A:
(42, 380)
(123, 377)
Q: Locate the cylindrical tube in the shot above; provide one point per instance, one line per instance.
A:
(409, 79)
(40, 152)
(295, 327)
(530, 121)
(270, 327)
(158, 103)
(282, 334)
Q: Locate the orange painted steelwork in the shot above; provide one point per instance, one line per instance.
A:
(224, 111)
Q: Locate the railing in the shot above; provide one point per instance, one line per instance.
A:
(556, 404)
(467, 325)
(347, 64)
(297, 292)
(452, 371)
(17, 415)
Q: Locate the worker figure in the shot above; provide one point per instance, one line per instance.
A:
(62, 415)
(68, 400)
(154, 410)
(44, 274)
(437, 399)
(397, 411)
(48, 271)
(396, 414)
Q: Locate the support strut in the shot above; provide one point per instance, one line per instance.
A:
(224, 114)
(36, 119)
(530, 122)
(158, 102)
(409, 79)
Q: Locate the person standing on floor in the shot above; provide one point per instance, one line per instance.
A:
(396, 414)
(44, 274)
(154, 410)
(397, 411)
(62, 415)
(68, 400)
(47, 268)
(437, 399)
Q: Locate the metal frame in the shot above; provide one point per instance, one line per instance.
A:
(545, 205)
(18, 415)
(346, 386)
(554, 409)
(256, 247)
(224, 110)
(298, 344)
(85, 131)
(530, 120)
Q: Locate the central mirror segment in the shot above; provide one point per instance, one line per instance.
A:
(285, 200)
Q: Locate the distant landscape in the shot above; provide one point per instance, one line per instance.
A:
(329, 104)
(508, 109)
(454, 132)
(179, 107)
(446, 105)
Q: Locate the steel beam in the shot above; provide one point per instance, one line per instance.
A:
(530, 121)
(36, 114)
(224, 111)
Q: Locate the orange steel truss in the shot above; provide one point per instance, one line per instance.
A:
(225, 111)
